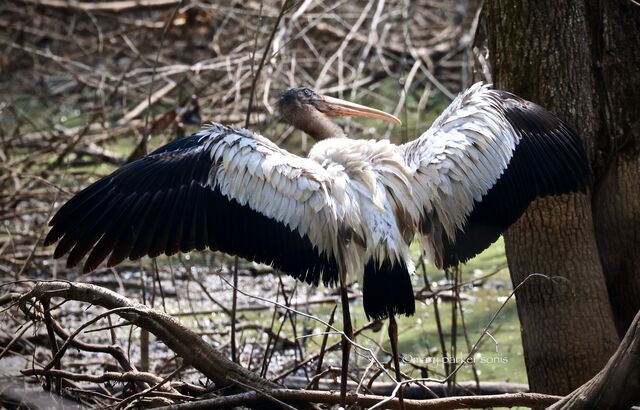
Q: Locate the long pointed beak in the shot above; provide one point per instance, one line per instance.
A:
(336, 107)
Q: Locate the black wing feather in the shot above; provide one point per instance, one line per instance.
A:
(147, 226)
(549, 160)
(128, 234)
(161, 204)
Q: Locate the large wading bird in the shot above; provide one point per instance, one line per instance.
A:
(350, 207)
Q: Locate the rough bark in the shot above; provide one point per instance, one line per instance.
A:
(567, 324)
(573, 57)
(615, 27)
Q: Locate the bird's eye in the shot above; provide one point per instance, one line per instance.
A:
(307, 92)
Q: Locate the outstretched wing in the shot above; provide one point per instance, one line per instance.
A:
(222, 188)
(480, 165)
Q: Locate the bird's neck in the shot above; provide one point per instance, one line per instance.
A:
(319, 127)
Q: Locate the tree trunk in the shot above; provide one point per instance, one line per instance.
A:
(567, 324)
(617, 197)
(581, 60)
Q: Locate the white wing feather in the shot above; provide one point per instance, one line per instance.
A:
(289, 189)
(461, 156)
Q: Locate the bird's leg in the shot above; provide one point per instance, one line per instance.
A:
(347, 330)
(393, 338)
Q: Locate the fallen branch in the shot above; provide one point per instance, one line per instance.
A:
(617, 386)
(315, 396)
(183, 341)
(417, 391)
(133, 376)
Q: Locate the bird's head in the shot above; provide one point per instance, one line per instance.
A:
(310, 112)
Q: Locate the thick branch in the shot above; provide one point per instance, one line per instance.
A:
(133, 376)
(363, 400)
(187, 344)
(417, 391)
(617, 386)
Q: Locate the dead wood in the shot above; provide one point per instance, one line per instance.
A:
(227, 376)
(418, 391)
(183, 341)
(362, 400)
(617, 385)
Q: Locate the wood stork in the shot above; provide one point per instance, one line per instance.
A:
(350, 207)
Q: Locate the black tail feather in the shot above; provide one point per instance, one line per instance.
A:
(387, 290)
